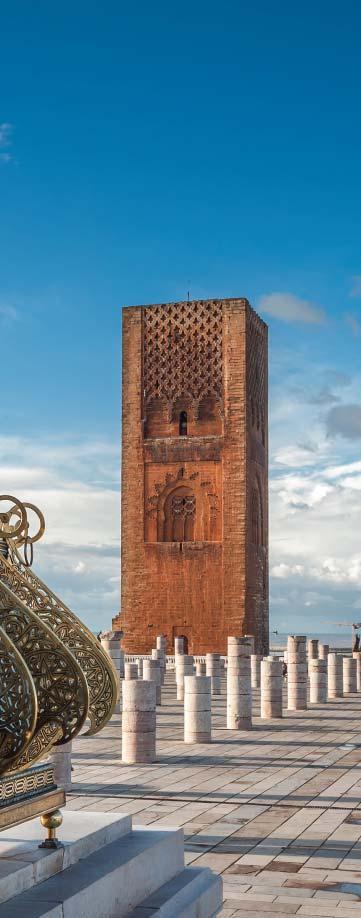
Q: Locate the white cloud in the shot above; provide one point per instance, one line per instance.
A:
(80, 568)
(338, 470)
(287, 570)
(290, 308)
(294, 457)
(76, 487)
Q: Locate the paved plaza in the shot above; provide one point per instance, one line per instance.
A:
(275, 810)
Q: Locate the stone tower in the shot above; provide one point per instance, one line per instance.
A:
(194, 480)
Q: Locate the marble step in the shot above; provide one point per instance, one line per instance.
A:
(194, 893)
(23, 864)
(108, 883)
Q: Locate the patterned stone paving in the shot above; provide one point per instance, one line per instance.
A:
(276, 810)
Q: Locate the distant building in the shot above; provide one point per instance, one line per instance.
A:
(194, 475)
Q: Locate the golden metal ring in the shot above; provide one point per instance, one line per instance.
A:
(38, 535)
(17, 510)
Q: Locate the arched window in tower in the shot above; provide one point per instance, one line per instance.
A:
(179, 515)
(183, 424)
(256, 516)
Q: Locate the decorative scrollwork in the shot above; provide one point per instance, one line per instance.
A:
(61, 687)
(71, 631)
(59, 670)
(18, 705)
(45, 737)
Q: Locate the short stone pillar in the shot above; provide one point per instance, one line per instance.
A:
(335, 675)
(178, 646)
(271, 688)
(213, 669)
(256, 660)
(296, 673)
(318, 681)
(130, 670)
(197, 709)
(151, 673)
(349, 676)
(323, 651)
(312, 649)
(61, 759)
(159, 655)
(138, 721)
(161, 644)
(239, 689)
(110, 641)
(357, 656)
(140, 667)
(200, 668)
(184, 667)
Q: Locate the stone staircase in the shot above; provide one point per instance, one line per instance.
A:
(105, 869)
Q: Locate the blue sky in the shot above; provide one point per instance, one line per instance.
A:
(146, 150)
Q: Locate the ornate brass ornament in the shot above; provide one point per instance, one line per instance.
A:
(18, 704)
(54, 672)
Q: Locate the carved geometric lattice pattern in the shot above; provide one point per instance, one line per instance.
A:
(257, 376)
(88, 652)
(61, 688)
(17, 703)
(182, 352)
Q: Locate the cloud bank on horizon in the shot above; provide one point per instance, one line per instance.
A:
(75, 483)
(315, 478)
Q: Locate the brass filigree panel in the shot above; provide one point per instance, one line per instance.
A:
(18, 704)
(61, 687)
(54, 672)
(92, 659)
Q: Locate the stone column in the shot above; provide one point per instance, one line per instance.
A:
(197, 709)
(151, 673)
(61, 759)
(312, 649)
(130, 670)
(110, 641)
(178, 646)
(184, 667)
(138, 721)
(161, 645)
(158, 655)
(335, 676)
(318, 681)
(213, 669)
(349, 676)
(271, 688)
(296, 673)
(140, 667)
(200, 669)
(357, 656)
(323, 651)
(239, 689)
(256, 660)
